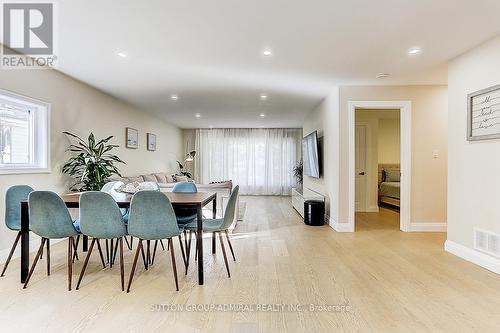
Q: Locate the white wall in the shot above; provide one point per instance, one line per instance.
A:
(473, 177)
(325, 119)
(79, 108)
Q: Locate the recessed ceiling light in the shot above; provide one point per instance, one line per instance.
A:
(262, 115)
(263, 97)
(174, 97)
(197, 115)
(267, 53)
(122, 54)
(383, 75)
(414, 51)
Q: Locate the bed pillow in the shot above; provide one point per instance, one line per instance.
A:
(392, 176)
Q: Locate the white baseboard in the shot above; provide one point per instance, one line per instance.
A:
(372, 209)
(34, 245)
(427, 227)
(338, 227)
(474, 256)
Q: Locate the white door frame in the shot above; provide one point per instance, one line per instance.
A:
(405, 162)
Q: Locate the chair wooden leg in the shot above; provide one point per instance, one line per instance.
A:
(86, 262)
(162, 246)
(115, 252)
(75, 248)
(168, 246)
(185, 240)
(11, 253)
(143, 256)
(139, 248)
(148, 252)
(111, 251)
(174, 266)
(183, 254)
(47, 241)
(70, 261)
(128, 244)
(213, 242)
(154, 252)
(122, 266)
(131, 242)
(39, 253)
(230, 245)
(107, 250)
(100, 251)
(224, 253)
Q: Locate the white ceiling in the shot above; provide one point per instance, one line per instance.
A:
(209, 51)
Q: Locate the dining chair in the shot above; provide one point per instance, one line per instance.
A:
(13, 198)
(50, 219)
(185, 215)
(152, 217)
(100, 218)
(217, 226)
(111, 188)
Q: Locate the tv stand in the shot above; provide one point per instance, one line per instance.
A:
(299, 196)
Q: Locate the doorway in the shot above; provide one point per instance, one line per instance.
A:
(365, 171)
(377, 168)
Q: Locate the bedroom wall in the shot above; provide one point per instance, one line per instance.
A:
(389, 140)
(80, 108)
(474, 181)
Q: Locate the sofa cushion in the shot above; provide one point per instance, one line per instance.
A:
(170, 178)
(161, 177)
(138, 179)
(149, 178)
(179, 178)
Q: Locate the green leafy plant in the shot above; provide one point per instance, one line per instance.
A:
(92, 163)
(298, 171)
(182, 171)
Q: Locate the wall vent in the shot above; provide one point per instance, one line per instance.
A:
(486, 241)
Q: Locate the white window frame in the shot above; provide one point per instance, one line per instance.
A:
(41, 135)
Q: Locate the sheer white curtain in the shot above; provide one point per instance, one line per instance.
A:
(259, 160)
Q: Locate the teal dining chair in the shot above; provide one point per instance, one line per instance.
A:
(13, 198)
(152, 217)
(185, 215)
(217, 226)
(100, 218)
(112, 188)
(50, 219)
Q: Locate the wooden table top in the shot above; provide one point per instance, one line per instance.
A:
(199, 198)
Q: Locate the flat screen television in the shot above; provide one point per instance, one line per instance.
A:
(310, 155)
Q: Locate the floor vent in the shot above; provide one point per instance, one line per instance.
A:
(487, 241)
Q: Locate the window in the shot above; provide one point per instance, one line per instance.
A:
(24, 134)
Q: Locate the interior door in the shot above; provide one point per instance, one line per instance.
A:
(360, 168)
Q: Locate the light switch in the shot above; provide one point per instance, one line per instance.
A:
(435, 153)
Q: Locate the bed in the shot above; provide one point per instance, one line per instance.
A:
(389, 184)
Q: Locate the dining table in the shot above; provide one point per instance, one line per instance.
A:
(195, 201)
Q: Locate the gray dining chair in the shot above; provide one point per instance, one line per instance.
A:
(50, 219)
(217, 226)
(13, 198)
(152, 217)
(185, 215)
(100, 218)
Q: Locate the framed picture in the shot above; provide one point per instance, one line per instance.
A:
(483, 115)
(132, 137)
(151, 139)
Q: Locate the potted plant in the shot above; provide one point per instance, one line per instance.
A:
(182, 171)
(92, 162)
(298, 173)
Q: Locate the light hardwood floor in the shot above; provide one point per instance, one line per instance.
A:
(392, 281)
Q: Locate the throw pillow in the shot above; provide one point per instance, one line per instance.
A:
(181, 178)
(392, 176)
(161, 178)
(149, 178)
